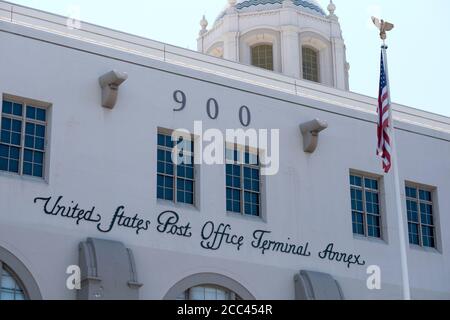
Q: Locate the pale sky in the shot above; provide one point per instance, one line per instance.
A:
(419, 46)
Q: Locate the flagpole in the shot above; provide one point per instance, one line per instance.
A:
(398, 198)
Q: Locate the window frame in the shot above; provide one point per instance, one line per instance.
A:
(259, 45)
(434, 214)
(379, 192)
(242, 190)
(25, 102)
(169, 132)
(317, 54)
(17, 281)
(232, 296)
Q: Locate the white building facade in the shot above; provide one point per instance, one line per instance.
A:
(86, 181)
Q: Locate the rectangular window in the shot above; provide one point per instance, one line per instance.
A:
(23, 138)
(419, 206)
(262, 56)
(176, 181)
(310, 64)
(243, 182)
(366, 213)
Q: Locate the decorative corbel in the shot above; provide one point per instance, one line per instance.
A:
(310, 131)
(110, 83)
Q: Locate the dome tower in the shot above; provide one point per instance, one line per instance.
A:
(293, 37)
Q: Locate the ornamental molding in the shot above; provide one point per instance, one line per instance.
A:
(278, 11)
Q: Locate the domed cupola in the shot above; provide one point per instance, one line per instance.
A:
(293, 37)
(310, 6)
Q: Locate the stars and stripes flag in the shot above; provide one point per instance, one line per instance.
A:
(384, 116)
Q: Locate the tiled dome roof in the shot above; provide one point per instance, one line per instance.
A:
(310, 6)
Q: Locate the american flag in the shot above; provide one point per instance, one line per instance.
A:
(384, 119)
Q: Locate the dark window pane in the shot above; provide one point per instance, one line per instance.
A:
(40, 131)
(168, 156)
(425, 195)
(29, 142)
(160, 167)
(16, 126)
(5, 136)
(160, 180)
(413, 230)
(169, 194)
(40, 114)
(411, 192)
(247, 184)
(27, 168)
(15, 138)
(6, 124)
(236, 195)
(255, 186)
(237, 182)
(168, 181)
(169, 168)
(14, 166)
(29, 128)
(4, 151)
(161, 140)
(229, 181)
(190, 173)
(31, 112)
(17, 109)
(189, 198)
(360, 229)
(7, 107)
(169, 142)
(229, 194)
(189, 186)
(3, 164)
(39, 144)
(255, 174)
(247, 209)
(247, 173)
(181, 171)
(180, 184)
(37, 171)
(14, 153)
(236, 207)
(160, 193)
(229, 205)
(180, 197)
(38, 157)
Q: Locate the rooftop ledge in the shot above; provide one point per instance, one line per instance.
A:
(143, 47)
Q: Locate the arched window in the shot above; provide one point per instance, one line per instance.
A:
(10, 287)
(209, 293)
(310, 64)
(208, 286)
(262, 56)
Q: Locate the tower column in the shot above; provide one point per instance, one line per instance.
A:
(340, 64)
(230, 46)
(290, 51)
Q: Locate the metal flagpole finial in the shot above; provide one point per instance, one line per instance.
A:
(383, 26)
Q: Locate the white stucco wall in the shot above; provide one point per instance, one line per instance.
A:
(107, 158)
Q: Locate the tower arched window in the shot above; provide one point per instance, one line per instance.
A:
(310, 59)
(10, 287)
(262, 56)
